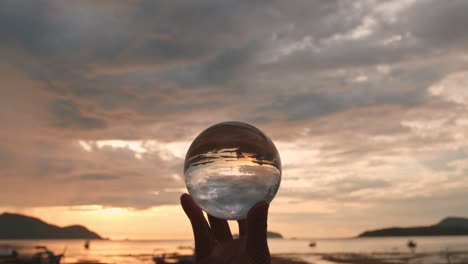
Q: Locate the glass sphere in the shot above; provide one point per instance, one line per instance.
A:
(230, 167)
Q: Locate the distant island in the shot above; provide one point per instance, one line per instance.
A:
(274, 235)
(269, 235)
(16, 226)
(450, 226)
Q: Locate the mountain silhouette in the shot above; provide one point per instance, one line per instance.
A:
(16, 226)
(271, 234)
(450, 226)
(458, 222)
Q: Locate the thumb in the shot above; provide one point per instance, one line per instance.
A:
(257, 246)
(201, 231)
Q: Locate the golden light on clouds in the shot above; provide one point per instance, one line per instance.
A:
(167, 150)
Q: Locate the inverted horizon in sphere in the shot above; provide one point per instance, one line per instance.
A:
(231, 166)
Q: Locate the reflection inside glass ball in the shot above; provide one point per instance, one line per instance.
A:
(230, 167)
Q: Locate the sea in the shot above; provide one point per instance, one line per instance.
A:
(142, 251)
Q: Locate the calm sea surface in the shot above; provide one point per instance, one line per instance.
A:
(142, 251)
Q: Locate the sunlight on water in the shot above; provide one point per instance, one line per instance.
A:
(140, 252)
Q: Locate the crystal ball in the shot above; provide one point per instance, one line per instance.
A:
(230, 167)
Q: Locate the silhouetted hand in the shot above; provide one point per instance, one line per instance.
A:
(214, 243)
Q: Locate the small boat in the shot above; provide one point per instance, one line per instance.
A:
(161, 259)
(42, 256)
(313, 244)
(411, 245)
(183, 247)
(86, 244)
(8, 254)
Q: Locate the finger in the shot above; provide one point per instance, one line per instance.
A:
(242, 227)
(201, 231)
(257, 246)
(220, 228)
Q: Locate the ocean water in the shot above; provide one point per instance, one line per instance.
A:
(109, 251)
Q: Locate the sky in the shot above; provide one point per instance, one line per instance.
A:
(366, 101)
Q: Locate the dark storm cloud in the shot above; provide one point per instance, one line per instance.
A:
(439, 24)
(424, 28)
(208, 42)
(226, 66)
(26, 25)
(312, 104)
(98, 176)
(345, 54)
(155, 33)
(83, 34)
(68, 115)
(341, 189)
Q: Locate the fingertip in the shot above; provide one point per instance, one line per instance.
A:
(201, 232)
(185, 201)
(242, 227)
(184, 198)
(257, 245)
(259, 210)
(257, 223)
(190, 207)
(220, 228)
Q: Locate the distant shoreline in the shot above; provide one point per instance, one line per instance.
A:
(450, 226)
(191, 239)
(22, 227)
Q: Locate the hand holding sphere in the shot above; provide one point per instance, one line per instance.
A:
(232, 171)
(231, 166)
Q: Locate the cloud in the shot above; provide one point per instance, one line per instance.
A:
(451, 88)
(68, 115)
(365, 99)
(105, 176)
(438, 24)
(351, 184)
(98, 176)
(310, 104)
